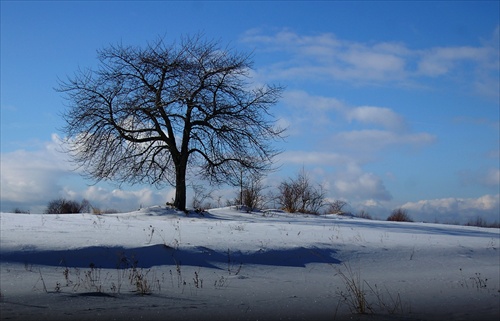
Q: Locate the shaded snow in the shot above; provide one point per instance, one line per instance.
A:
(230, 265)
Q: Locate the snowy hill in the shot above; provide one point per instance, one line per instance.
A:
(224, 264)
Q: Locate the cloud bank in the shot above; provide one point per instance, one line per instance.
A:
(451, 210)
(31, 178)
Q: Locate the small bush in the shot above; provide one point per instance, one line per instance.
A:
(63, 206)
(98, 211)
(355, 295)
(480, 222)
(399, 215)
(365, 215)
(300, 195)
(336, 207)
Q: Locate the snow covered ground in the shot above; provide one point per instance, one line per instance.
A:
(159, 264)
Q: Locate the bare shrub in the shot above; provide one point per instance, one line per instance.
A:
(200, 196)
(399, 215)
(63, 206)
(98, 211)
(481, 222)
(336, 207)
(250, 195)
(299, 195)
(357, 298)
(364, 214)
(251, 192)
(354, 295)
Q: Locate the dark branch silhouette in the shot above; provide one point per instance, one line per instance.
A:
(151, 115)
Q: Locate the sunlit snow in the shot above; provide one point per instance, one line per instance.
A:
(227, 264)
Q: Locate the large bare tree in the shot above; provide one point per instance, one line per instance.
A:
(156, 114)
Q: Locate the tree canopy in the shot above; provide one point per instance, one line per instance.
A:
(154, 114)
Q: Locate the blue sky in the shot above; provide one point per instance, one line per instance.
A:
(388, 104)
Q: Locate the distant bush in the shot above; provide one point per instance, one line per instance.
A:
(63, 206)
(201, 196)
(399, 215)
(336, 207)
(363, 214)
(480, 222)
(251, 194)
(17, 210)
(98, 211)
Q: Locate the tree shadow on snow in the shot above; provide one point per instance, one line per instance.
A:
(159, 254)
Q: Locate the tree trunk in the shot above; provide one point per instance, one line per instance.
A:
(180, 186)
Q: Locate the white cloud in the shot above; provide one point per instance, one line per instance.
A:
(303, 101)
(352, 183)
(34, 176)
(31, 178)
(487, 81)
(325, 57)
(310, 111)
(321, 115)
(493, 177)
(318, 45)
(451, 210)
(342, 155)
(313, 158)
(125, 200)
(439, 61)
(382, 116)
(364, 62)
(348, 181)
(373, 140)
(377, 209)
(487, 177)
(341, 175)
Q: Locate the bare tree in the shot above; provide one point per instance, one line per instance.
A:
(158, 114)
